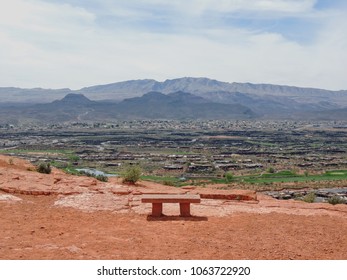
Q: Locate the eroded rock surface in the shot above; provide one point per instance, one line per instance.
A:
(59, 216)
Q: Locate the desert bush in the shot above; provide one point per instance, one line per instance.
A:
(44, 168)
(132, 174)
(310, 197)
(74, 158)
(228, 176)
(102, 178)
(271, 170)
(169, 183)
(336, 200)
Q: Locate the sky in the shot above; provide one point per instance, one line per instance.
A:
(79, 43)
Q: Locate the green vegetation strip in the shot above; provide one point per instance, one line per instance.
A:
(288, 176)
(279, 177)
(159, 179)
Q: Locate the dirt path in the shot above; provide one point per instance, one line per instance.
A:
(36, 229)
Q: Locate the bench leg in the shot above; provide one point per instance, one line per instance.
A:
(157, 209)
(185, 209)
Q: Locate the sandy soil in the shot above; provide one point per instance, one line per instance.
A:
(79, 218)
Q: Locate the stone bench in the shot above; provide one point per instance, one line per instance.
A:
(157, 201)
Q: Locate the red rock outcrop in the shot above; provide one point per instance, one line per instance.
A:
(59, 216)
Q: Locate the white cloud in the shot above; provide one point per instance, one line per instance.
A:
(227, 6)
(60, 45)
(39, 14)
(290, 6)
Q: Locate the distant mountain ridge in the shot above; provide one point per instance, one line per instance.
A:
(199, 86)
(263, 100)
(132, 88)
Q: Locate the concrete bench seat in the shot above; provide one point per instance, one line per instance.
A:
(157, 201)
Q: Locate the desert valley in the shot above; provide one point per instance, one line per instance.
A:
(267, 162)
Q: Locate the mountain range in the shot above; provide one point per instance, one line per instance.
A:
(152, 105)
(182, 98)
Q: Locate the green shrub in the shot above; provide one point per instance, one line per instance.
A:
(336, 200)
(44, 168)
(169, 183)
(74, 158)
(228, 176)
(101, 178)
(310, 197)
(271, 170)
(132, 174)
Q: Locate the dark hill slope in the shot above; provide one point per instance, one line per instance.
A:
(180, 105)
(153, 105)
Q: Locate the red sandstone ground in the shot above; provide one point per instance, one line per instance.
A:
(59, 216)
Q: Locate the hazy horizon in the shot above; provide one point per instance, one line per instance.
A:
(162, 81)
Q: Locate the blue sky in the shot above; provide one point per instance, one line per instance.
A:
(75, 43)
